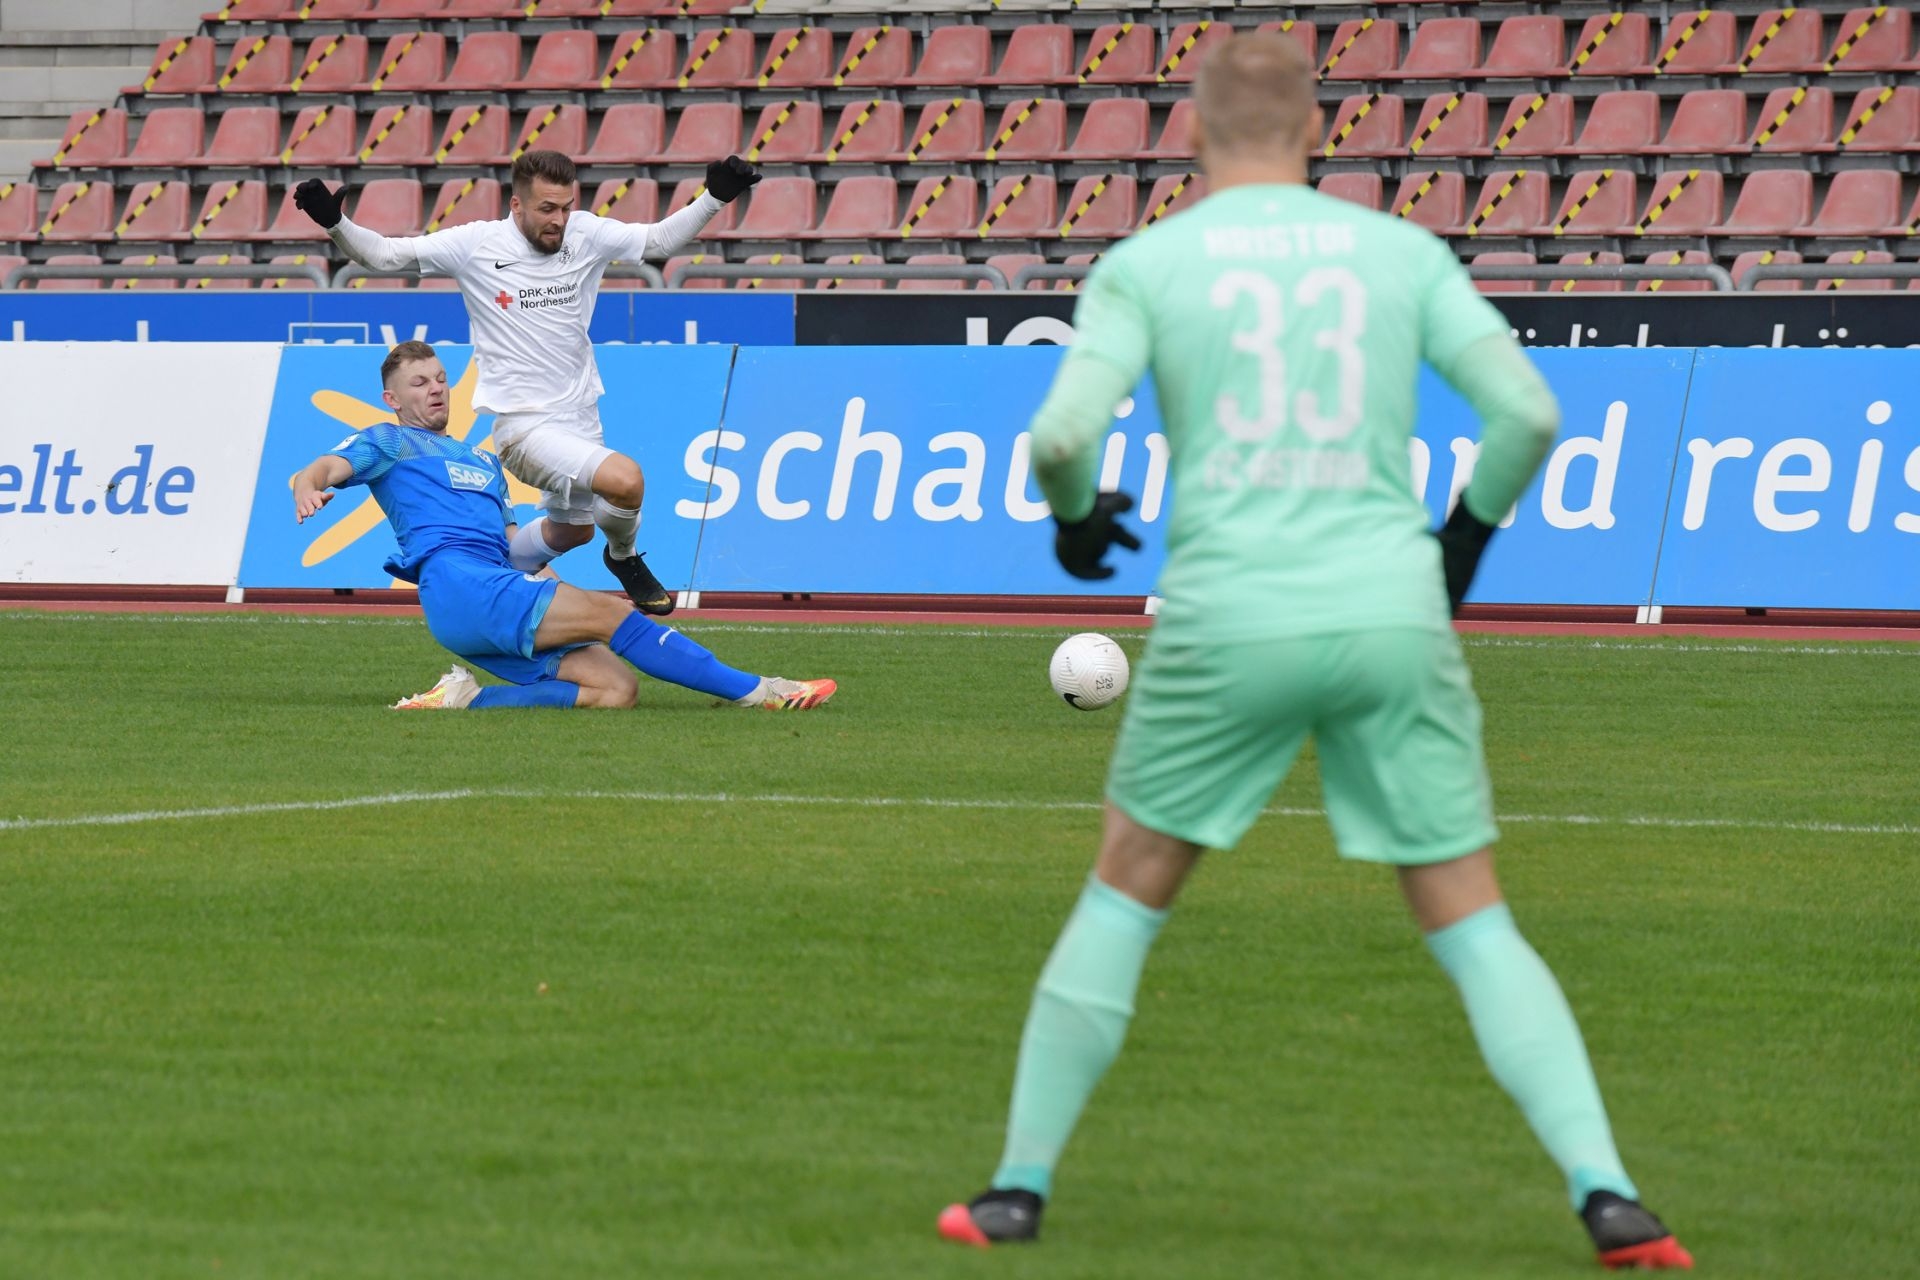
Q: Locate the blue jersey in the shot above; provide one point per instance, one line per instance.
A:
(439, 494)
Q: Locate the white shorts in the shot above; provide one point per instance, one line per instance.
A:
(556, 453)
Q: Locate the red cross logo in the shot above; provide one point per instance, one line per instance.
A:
(505, 300)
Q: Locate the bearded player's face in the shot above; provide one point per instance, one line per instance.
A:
(542, 214)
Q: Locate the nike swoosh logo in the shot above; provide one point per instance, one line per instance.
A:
(502, 266)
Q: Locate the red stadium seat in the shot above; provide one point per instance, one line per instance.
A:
(641, 8)
(1698, 43)
(79, 211)
(562, 60)
(1541, 125)
(180, 66)
(1783, 42)
(474, 135)
(1622, 123)
(673, 265)
(1301, 32)
(705, 132)
(797, 57)
(1856, 284)
(684, 192)
(630, 133)
(1176, 135)
(1170, 195)
(1363, 189)
(483, 8)
(289, 222)
(1614, 44)
(19, 211)
(1442, 49)
(1598, 202)
(868, 132)
(399, 136)
(231, 211)
(708, 8)
(560, 9)
(388, 10)
(464, 201)
(861, 209)
(321, 136)
(1009, 264)
(925, 284)
(644, 59)
(1187, 44)
(1683, 203)
(413, 63)
(785, 133)
(390, 206)
(1021, 208)
(784, 284)
(1674, 258)
(1707, 122)
(874, 56)
(71, 286)
(956, 56)
(1119, 53)
(93, 137)
(1035, 129)
(147, 282)
(1362, 49)
(246, 137)
(169, 138)
(220, 260)
(1112, 129)
(1039, 53)
(1511, 204)
(1882, 119)
(1602, 259)
(1100, 208)
(557, 127)
(155, 211)
(1795, 121)
(777, 209)
(1869, 41)
(943, 206)
(1450, 124)
(947, 131)
(1771, 203)
(848, 282)
(263, 64)
(1509, 258)
(627, 200)
(486, 61)
(1528, 47)
(1860, 202)
(1366, 125)
(719, 58)
(294, 281)
(1431, 198)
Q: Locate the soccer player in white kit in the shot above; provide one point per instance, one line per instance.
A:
(530, 281)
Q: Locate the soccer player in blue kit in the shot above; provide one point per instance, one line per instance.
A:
(559, 646)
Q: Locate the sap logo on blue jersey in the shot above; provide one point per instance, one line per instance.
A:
(462, 476)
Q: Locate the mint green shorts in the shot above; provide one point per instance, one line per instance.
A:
(1211, 730)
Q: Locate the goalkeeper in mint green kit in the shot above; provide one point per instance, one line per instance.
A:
(1304, 595)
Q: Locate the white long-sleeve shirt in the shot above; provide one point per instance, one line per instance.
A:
(529, 310)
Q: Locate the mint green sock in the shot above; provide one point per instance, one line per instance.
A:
(1074, 1030)
(1532, 1045)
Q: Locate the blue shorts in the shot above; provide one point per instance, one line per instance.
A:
(487, 614)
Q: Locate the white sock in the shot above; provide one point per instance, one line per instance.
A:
(753, 698)
(620, 524)
(529, 552)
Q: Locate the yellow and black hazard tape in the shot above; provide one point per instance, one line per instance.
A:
(1658, 211)
(1366, 24)
(773, 260)
(1780, 117)
(846, 135)
(1859, 256)
(133, 214)
(1095, 59)
(855, 260)
(1160, 210)
(225, 9)
(627, 55)
(280, 282)
(999, 210)
(439, 219)
(1567, 286)
(160, 68)
(1852, 131)
(1099, 189)
(1521, 121)
(1176, 56)
(373, 143)
(1592, 46)
(306, 11)
(856, 56)
(1351, 123)
(215, 210)
(313, 63)
(1586, 198)
(453, 139)
(1913, 224)
(1854, 37)
(619, 194)
(240, 63)
(1419, 194)
(393, 61)
(6, 189)
(766, 135)
(533, 135)
(133, 282)
(206, 282)
(773, 67)
(1447, 108)
(914, 218)
(1679, 256)
(925, 139)
(60, 156)
(1687, 33)
(1764, 39)
(700, 59)
(1499, 198)
(1007, 133)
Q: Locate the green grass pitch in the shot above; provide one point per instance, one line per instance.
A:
(617, 1008)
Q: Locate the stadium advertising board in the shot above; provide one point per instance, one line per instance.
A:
(129, 463)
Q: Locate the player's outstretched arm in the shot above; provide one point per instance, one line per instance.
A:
(658, 241)
(311, 486)
(368, 248)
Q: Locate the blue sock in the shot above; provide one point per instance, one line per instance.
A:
(1532, 1045)
(665, 654)
(545, 693)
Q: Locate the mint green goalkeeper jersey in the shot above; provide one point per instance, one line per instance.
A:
(1285, 331)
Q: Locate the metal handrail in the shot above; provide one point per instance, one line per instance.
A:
(839, 271)
(1050, 271)
(1828, 271)
(619, 270)
(1721, 279)
(314, 271)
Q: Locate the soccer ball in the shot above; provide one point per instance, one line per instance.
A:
(1088, 670)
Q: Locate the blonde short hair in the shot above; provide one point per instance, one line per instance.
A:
(1254, 93)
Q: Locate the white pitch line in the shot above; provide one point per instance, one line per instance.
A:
(876, 802)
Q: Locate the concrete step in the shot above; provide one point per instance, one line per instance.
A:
(17, 156)
(22, 87)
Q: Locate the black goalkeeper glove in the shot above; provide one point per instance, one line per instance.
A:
(728, 178)
(1081, 547)
(1463, 538)
(323, 206)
